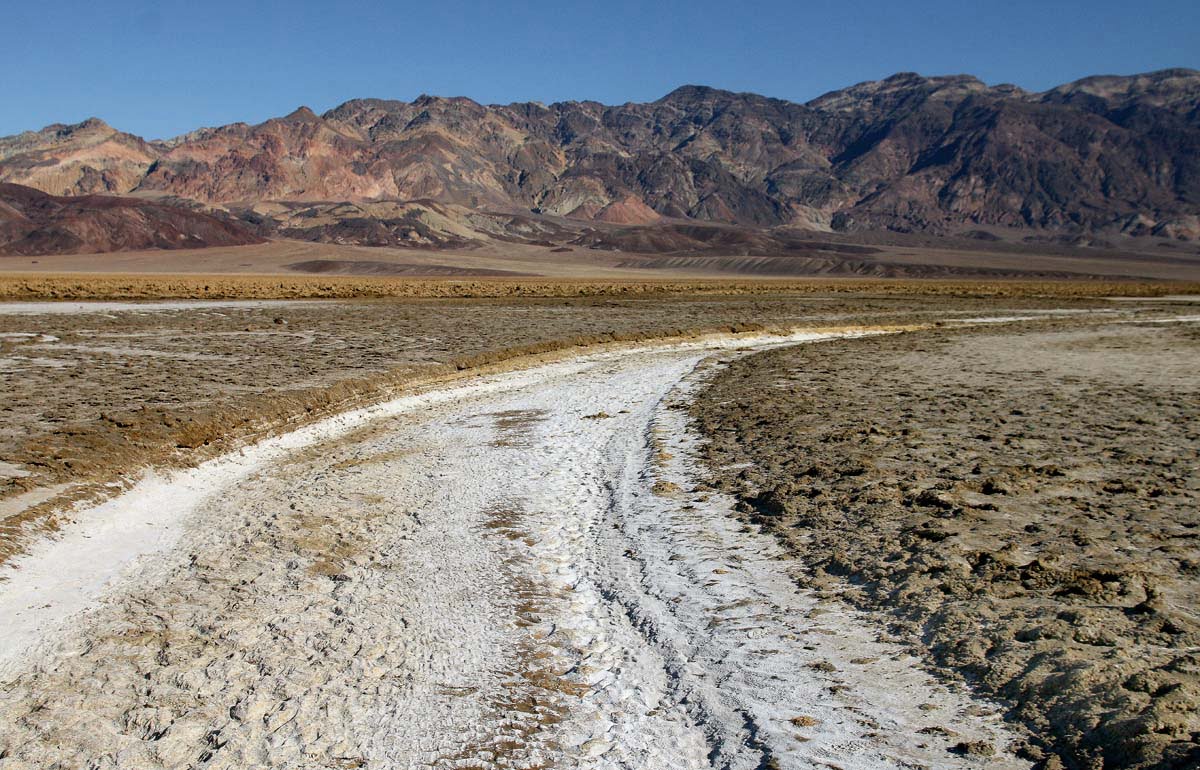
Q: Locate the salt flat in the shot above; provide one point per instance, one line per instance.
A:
(509, 574)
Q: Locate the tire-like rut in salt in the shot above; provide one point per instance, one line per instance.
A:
(517, 576)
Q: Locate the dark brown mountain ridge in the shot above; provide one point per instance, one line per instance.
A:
(34, 223)
(1107, 156)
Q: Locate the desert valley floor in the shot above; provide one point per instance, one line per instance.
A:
(825, 530)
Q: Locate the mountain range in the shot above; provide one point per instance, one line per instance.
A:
(32, 222)
(941, 156)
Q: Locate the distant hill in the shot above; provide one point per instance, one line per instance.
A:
(909, 154)
(34, 223)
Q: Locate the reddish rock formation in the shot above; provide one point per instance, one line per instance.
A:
(32, 223)
(938, 155)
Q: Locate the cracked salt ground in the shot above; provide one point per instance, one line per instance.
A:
(511, 577)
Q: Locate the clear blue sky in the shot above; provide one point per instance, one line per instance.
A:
(159, 69)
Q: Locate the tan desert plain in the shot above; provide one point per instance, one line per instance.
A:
(310, 505)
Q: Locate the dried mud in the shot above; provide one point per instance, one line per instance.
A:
(94, 393)
(480, 577)
(1018, 502)
(102, 391)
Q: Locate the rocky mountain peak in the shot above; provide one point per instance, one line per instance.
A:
(1175, 89)
(302, 114)
(903, 86)
(91, 124)
(689, 94)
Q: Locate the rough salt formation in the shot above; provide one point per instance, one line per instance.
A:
(517, 575)
(96, 389)
(1021, 503)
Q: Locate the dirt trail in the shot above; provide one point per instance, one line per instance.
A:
(509, 574)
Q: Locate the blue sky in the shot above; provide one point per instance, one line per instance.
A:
(159, 69)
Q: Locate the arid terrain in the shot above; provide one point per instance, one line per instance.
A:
(1096, 158)
(910, 176)
(1019, 501)
(95, 387)
(32, 222)
(508, 523)
(504, 573)
(815, 256)
(618, 414)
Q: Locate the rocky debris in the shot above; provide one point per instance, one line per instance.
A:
(974, 749)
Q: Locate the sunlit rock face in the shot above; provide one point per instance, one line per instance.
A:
(939, 155)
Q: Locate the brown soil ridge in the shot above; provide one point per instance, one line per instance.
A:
(369, 267)
(1020, 504)
(116, 286)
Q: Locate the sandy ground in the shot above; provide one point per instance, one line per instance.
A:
(281, 257)
(1020, 501)
(276, 257)
(514, 573)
